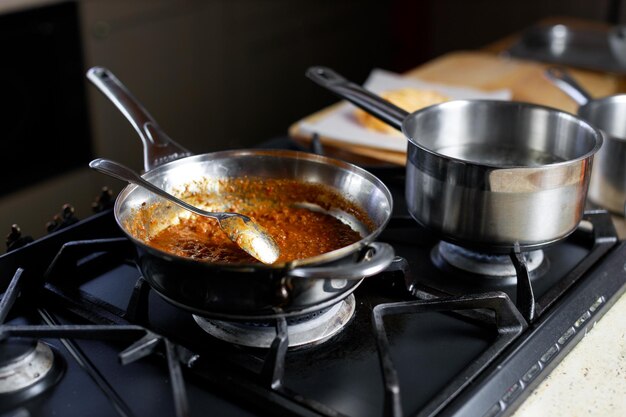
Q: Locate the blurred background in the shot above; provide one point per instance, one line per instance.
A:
(215, 74)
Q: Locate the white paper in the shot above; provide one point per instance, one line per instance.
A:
(341, 124)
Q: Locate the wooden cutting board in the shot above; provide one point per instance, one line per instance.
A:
(484, 71)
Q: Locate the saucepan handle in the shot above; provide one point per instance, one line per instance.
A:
(359, 96)
(378, 257)
(568, 85)
(158, 146)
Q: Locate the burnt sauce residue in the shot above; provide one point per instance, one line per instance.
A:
(299, 232)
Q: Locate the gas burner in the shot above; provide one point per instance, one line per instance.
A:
(449, 257)
(27, 368)
(307, 330)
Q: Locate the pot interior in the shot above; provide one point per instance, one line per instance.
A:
(501, 134)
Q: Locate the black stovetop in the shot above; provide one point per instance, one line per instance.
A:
(422, 341)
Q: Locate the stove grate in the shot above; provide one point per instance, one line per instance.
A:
(58, 286)
(146, 344)
(509, 325)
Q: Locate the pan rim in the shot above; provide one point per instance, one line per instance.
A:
(315, 260)
(596, 133)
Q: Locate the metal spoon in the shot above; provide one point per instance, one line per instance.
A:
(239, 228)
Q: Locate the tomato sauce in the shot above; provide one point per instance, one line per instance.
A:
(299, 232)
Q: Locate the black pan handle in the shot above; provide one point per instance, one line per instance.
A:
(568, 85)
(158, 147)
(359, 96)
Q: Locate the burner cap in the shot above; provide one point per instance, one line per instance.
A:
(315, 329)
(483, 264)
(27, 368)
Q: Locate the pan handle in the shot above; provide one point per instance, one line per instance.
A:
(568, 85)
(378, 257)
(359, 96)
(158, 147)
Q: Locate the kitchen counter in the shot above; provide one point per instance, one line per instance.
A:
(591, 379)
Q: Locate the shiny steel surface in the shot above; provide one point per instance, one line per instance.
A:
(309, 332)
(158, 146)
(608, 177)
(498, 173)
(354, 183)
(27, 370)
(488, 174)
(242, 230)
(228, 291)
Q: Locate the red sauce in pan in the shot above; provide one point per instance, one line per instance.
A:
(299, 232)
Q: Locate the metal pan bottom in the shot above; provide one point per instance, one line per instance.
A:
(265, 314)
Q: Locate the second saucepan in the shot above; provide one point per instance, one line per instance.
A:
(490, 175)
(250, 291)
(608, 179)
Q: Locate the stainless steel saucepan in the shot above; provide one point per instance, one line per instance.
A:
(253, 291)
(489, 175)
(608, 179)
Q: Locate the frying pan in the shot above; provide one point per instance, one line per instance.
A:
(608, 178)
(252, 291)
(489, 175)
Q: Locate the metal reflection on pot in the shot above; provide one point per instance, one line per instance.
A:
(488, 174)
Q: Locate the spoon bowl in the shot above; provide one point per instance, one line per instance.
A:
(241, 229)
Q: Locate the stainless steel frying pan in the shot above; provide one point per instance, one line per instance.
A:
(253, 291)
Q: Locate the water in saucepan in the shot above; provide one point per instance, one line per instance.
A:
(501, 156)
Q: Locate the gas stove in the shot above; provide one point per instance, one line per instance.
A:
(443, 331)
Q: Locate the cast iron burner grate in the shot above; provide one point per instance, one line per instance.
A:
(539, 280)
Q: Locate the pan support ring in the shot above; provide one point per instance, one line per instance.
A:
(309, 332)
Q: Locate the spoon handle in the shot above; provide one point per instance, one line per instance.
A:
(124, 173)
